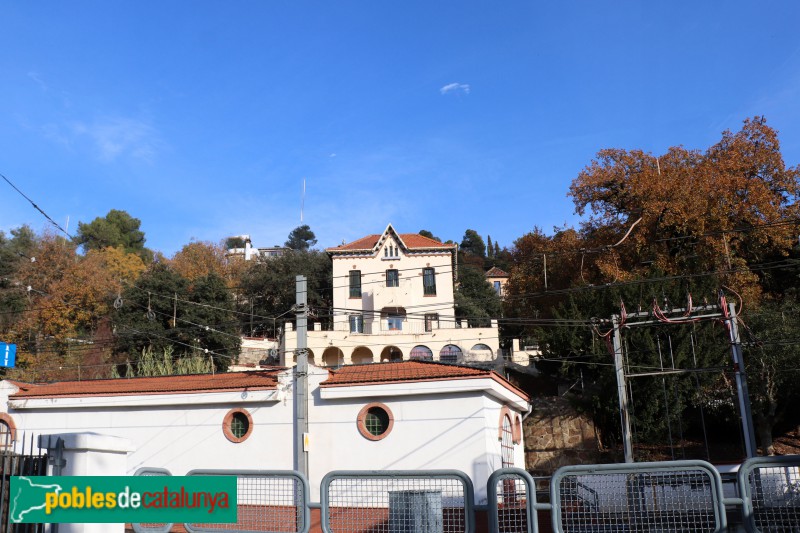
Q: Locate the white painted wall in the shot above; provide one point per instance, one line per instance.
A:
(446, 424)
(178, 437)
(450, 424)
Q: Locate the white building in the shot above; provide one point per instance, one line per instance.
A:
(248, 252)
(393, 300)
(408, 415)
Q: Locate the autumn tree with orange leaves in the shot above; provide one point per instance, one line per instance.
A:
(662, 226)
(725, 210)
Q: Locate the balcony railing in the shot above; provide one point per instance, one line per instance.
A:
(415, 327)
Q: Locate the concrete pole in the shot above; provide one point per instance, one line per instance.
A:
(622, 391)
(301, 376)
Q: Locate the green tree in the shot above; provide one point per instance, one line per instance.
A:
(472, 243)
(774, 389)
(165, 310)
(268, 289)
(428, 234)
(14, 253)
(235, 242)
(489, 247)
(301, 238)
(475, 299)
(117, 228)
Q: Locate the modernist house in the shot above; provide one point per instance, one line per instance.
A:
(393, 301)
(406, 415)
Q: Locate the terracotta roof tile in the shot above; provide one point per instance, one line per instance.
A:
(411, 240)
(495, 272)
(364, 243)
(400, 371)
(261, 379)
(415, 240)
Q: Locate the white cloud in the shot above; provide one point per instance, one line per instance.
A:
(115, 137)
(455, 88)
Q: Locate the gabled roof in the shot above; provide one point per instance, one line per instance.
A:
(495, 272)
(226, 381)
(410, 241)
(410, 371)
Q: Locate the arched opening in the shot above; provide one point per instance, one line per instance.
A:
(391, 354)
(507, 443)
(421, 353)
(450, 354)
(332, 356)
(361, 356)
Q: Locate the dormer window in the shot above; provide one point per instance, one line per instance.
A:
(391, 252)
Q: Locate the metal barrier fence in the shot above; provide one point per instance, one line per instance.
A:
(770, 491)
(512, 502)
(152, 528)
(270, 501)
(676, 496)
(425, 501)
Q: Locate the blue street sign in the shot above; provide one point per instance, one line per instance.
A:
(8, 354)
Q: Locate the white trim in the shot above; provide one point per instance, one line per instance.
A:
(415, 388)
(146, 400)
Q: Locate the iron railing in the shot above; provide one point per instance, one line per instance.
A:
(18, 457)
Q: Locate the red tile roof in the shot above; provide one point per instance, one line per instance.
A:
(405, 371)
(411, 240)
(411, 371)
(495, 272)
(226, 381)
(400, 371)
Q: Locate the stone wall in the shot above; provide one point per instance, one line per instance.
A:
(557, 435)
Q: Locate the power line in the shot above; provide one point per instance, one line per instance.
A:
(53, 222)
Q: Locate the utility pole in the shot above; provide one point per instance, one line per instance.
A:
(301, 376)
(745, 411)
(622, 390)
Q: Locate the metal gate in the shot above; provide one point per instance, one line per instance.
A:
(18, 458)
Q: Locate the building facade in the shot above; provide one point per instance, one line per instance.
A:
(393, 300)
(409, 415)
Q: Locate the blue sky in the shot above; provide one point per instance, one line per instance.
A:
(203, 118)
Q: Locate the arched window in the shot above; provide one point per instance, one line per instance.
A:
(481, 347)
(450, 354)
(507, 443)
(421, 353)
(8, 431)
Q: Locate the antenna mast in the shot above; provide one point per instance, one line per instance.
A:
(303, 201)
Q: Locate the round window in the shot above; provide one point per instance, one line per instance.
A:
(375, 421)
(237, 425)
